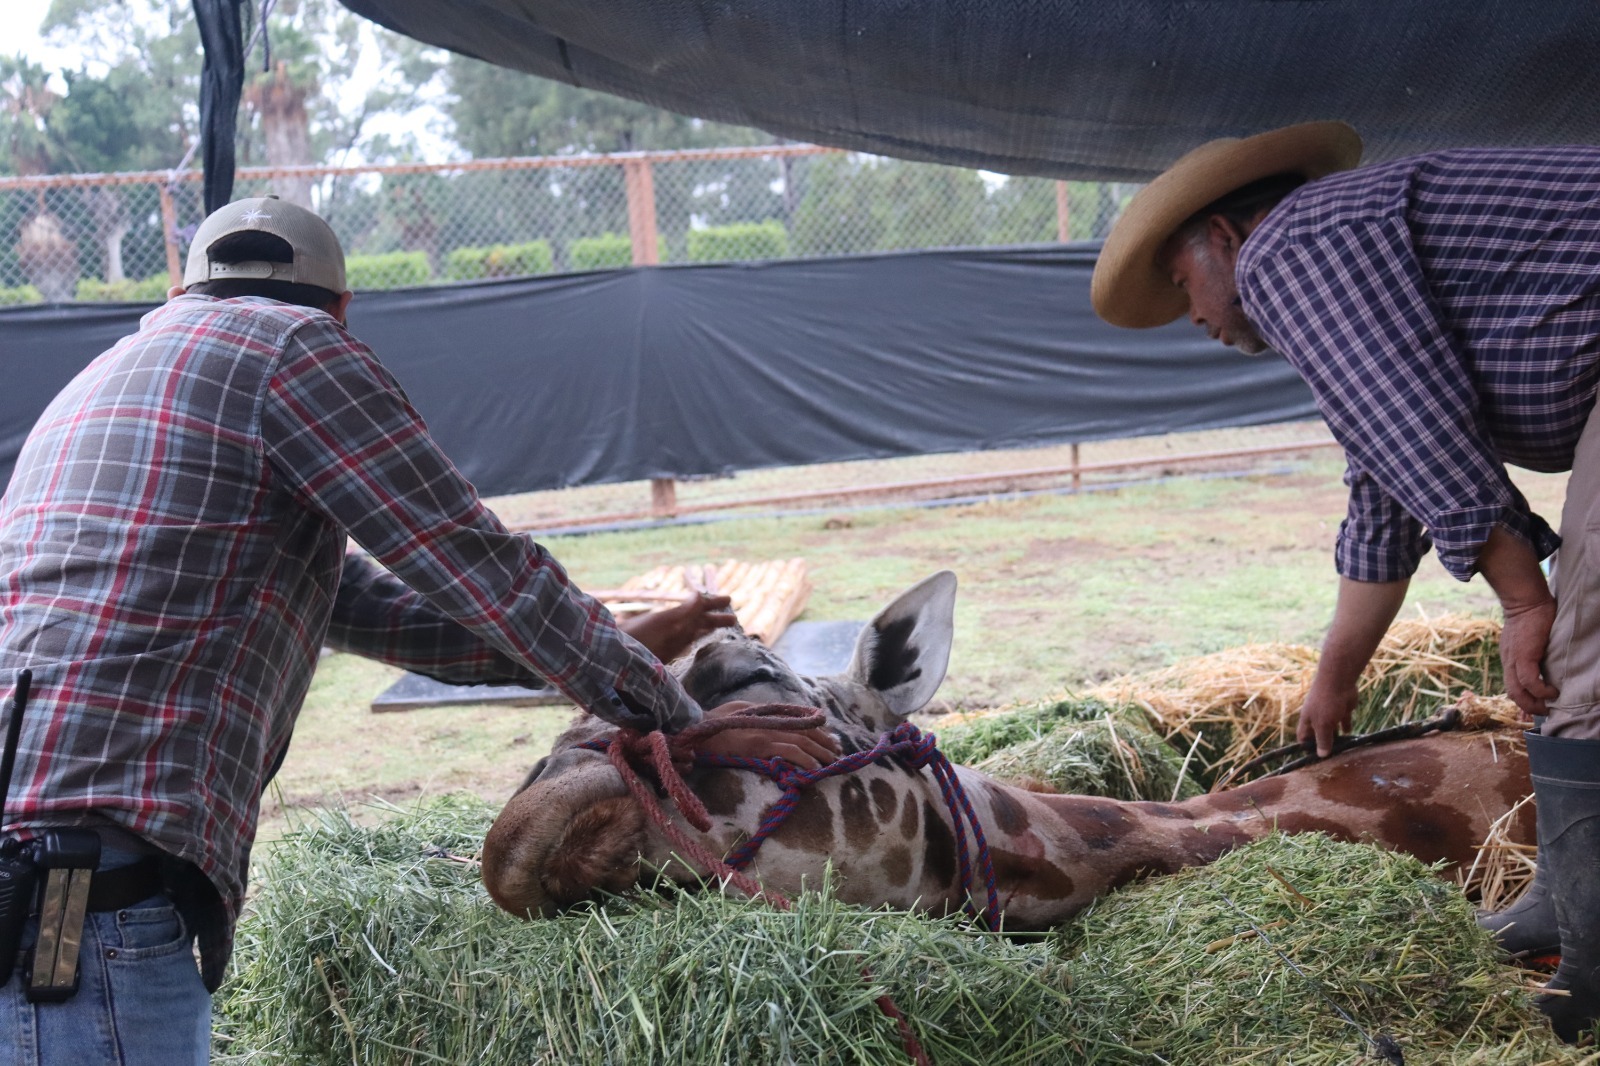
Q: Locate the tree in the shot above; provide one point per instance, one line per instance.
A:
(499, 112)
(132, 105)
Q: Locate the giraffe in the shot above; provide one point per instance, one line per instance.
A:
(573, 830)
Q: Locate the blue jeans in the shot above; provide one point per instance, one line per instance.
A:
(140, 1001)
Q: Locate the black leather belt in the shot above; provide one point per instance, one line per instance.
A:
(112, 890)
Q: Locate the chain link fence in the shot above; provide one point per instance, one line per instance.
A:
(116, 237)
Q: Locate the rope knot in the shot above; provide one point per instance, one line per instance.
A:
(917, 748)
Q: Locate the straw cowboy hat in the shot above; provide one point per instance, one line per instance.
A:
(1129, 289)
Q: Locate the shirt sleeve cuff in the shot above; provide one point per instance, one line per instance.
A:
(1461, 534)
(1381, 561)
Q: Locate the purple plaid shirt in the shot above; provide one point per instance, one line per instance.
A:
(172, 557)
(1445, 310)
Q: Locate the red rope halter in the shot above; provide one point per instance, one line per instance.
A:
(660, 752)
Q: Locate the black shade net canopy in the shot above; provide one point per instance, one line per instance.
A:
(1086, 89)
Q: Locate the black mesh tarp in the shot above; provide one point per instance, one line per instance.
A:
(673, 371)
(1111, 89)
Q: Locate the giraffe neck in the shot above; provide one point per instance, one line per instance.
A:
(1433, 797)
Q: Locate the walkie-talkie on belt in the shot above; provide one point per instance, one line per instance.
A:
(67, 858)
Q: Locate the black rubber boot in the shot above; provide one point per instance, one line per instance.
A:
(1566, 784)
(1528, 926)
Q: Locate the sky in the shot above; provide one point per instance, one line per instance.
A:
(21, 34)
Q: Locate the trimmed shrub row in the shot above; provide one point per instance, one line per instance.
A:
(387, 270)
(605, 252)
(129, 290)
(20, 294)
(499, 261)
(740, 241)
(399, 270)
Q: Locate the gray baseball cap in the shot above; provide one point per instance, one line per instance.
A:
(318, 258)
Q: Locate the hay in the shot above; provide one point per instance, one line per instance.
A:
(1115, 756)
(363, 949)
(968, 739)
(1084, 747)
(1185, 966)
(1504, 867)
(1243, 701)
(367, 946)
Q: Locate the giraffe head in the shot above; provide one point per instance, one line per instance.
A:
(573, 828)
(898, 665)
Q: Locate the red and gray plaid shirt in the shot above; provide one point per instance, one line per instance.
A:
(172, 558)
(1445, 310)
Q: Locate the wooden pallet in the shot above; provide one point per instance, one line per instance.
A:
(766, 596)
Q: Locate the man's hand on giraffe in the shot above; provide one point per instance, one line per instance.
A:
(1524, 639)
(669, 633)
(807, 749)
(1326, 713)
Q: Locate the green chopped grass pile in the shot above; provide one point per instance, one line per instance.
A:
(373, 946)
(1305, 950)
(1085, 747)
(976, 737)
(1108, 757)
(365, 947)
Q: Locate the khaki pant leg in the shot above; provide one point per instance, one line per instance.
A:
(1572, 663)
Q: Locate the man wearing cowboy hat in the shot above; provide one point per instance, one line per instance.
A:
(1445, 310)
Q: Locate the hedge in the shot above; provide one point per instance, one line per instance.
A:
(387, 270)
(20, 294)
(128, 290)
(741, 240)
(605, 252)
(499, 261)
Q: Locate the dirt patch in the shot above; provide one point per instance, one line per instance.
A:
(1076, 550)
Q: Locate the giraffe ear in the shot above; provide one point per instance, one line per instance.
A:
(904, 651)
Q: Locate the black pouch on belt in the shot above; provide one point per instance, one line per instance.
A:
(66, 859)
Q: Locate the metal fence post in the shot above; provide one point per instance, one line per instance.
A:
(1077, 470)
(1063, 213)
(169, 230)
(641, 211)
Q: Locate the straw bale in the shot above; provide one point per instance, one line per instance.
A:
(1243, 701)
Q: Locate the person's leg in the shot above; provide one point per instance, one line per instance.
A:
(1564, 756)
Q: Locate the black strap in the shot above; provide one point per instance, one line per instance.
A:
(112, 890)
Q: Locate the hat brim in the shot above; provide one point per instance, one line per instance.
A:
(1129, 288)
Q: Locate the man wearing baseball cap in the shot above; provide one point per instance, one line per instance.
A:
(172, 558)
(1445, 310)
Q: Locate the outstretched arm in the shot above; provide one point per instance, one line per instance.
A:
(1360, 619)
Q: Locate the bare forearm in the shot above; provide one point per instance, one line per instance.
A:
(1511, 567)
(1361, 617)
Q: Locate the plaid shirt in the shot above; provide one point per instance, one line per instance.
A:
(172, 557)
(1445, 310)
